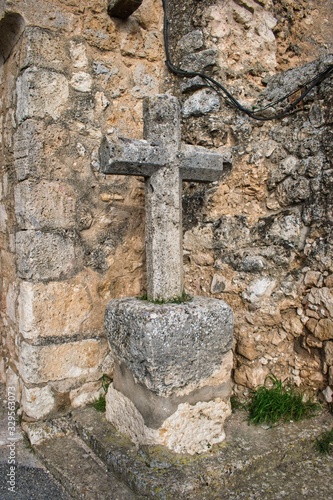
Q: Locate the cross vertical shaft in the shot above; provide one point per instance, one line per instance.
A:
(163, 202)
(163, 235)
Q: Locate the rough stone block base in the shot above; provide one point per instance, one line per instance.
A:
(190, 429)
(172, 377)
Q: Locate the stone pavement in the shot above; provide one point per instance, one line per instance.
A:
(90, 460)
(32, 480)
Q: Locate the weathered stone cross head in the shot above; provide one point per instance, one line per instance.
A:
(164, 162)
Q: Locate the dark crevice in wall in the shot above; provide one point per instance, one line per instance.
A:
(11, 28)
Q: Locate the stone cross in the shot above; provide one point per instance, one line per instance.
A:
(164, 162)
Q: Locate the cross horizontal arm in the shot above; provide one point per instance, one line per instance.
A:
(198, 164)
(131, 157)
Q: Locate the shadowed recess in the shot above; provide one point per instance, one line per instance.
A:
(11, 28)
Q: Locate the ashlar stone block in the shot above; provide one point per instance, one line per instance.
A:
(45, 256)
(75, 360)
(61, 309)
(45, 14)
(46, 204)
(41, 93)
(28, 150)
(37, 402)
(43, 48)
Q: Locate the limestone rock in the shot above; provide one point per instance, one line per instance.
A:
(251, 376)
(328, 394)
(217, 284)
(259, 289)
(72, 302)
(191, 41)
(322, 298)
(81, 81)
(246, 348)
(202, 102)
(192, 84)
(37, 402)
(83, 359)
(324, 329)
(194, 429)
(312, 278)
(85, 394)
(230, 229)
(28, 150)
(292, 191)
(155, 408)
(329, 281)
(328, 350)
(312, 341)
(45, 205)
(3, 218)
(287, 167)
(151, 340)
(43, 48)
(44, 255)
(122, 413)
(78, 55)
(199, 61)
(191, 429)
(41, 93)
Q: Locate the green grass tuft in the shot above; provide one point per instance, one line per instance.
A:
(100, 404)
(106, 381)
(279, 402)
(324, 443)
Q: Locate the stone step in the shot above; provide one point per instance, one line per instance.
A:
(298, 476)
(80, 471)
(253, 462)
(93, 461)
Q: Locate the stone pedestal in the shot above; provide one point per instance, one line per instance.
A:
(172, 380)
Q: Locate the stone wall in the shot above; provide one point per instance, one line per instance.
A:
(10, 32)
(71, 238)
(261, 239)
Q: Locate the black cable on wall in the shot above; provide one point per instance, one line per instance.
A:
(221, 90)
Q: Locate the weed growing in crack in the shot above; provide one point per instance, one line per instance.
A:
(279, 402)
(100, 403)
(179, 299)
(324, 443)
